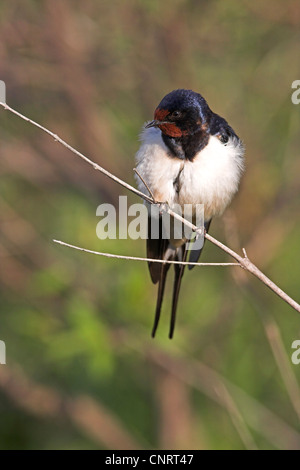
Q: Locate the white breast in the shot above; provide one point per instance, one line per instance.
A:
(212, 178)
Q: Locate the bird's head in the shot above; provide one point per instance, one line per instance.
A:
(181, 113)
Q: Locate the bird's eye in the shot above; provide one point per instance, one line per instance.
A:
(175, 114)
(224, 138)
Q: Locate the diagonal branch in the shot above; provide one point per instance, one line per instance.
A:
(243, 261)
(76, 152)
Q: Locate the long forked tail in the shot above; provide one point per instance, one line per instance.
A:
(178, 254)
(160, 248)
(160, 294)
(157, 248)
(181, 255)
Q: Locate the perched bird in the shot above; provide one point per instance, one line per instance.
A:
(188, 155)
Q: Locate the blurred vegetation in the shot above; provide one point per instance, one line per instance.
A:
(82, 370)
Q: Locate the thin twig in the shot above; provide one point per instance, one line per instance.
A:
(243, 261)
(136, 258)
(149, 190)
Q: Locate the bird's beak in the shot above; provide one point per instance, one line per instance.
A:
(154, 123)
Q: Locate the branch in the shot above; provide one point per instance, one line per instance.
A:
(76, 152)
(163, 207)
(135, 258)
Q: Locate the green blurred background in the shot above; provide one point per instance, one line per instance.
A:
(82, 371)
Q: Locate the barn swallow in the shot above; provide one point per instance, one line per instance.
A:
(188, 155)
